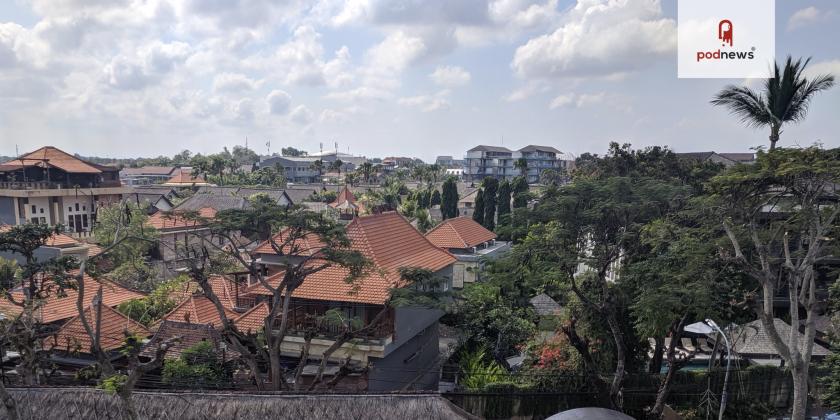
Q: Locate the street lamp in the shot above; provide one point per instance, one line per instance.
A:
(707, 327)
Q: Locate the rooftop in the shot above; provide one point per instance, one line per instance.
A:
(72, 335)
(485, 148)
(535, 148)
(51, 157)
(178, 219)
(460, 232)
(190, 334)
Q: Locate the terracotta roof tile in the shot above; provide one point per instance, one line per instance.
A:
(199, 310)
(175, 220)
(390, 242)
(72, 335)
(51, 157)
(185, 177)
(57, 308)
(459, 232)
(308, 245)
(346, 200)
(253, 321)
(190, 334)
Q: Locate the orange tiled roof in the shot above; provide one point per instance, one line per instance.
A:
(185, 177)
(72, 335)
(174, 220)
(308, 245)
(58, 240)
(51, 157)
(390, 242)
(459, 232)
(190, 334)
(55, 308)
(199, 310)
(253, 320)
(346, 199)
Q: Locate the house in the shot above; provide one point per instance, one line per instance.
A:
(56, 246)
(178, 232)
(195, 308)
(50, 186)
(752, 342)
(398, 349)
(392, 162)
(347, 205)
(466, 204)
(188, 334)
(349, 162)
(470, 243)
(56, 309)
(147, 175)
(279, 195)
(296, 169)
(72, 336)
(186, 179)
(538, 158)
(725, 159)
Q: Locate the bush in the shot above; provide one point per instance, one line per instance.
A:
(199, 366)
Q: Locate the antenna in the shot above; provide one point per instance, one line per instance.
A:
(246, 143)
(336, 149)
(322, 147)
(268, 147)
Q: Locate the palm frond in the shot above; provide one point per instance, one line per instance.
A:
(745, 103)
(802, 100)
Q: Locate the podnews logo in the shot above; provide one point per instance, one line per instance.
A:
(726, 34)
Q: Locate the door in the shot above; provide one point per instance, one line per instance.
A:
(78, 222)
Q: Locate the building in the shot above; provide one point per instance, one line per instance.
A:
(470, 243)
(466, 204)
(58, 245)
(539, 158)
(346, 205)
(50, 186)
(178, 233)
(725, 159)
(350, 162)
(297, 169)
(186, 179)
(279, 195)
(72, 337)
(398, 349)
(500, 162)
(147, 175)
(393, 162)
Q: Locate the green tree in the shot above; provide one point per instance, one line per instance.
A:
(519, 190)
(504, 202)
(151, 308)
(491, 187)
(785, 98)
(318, 166)
(478, 210)
(336, 165)
(522, 165)
(123, 226)
(291, 151)
(436, 199)
(367, 170)
(779, 215)
(243, 156)
(199, 366)
(449, 199)
(492, 321)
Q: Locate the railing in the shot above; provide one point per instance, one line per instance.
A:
(49, 185)
(299, 325)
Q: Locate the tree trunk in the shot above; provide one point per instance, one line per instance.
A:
(800, 392)
(8, 402)
(620, 362)
(774, 136)
(656, 360)
(276, 369)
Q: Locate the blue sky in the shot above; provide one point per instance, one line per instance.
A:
(393, 77)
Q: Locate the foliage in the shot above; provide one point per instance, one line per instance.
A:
(492, 321)
(478, 209)
(479, 371)
(504, 202)
(124, 226)
(491, 187)
(436, 198)
(291, 151)
(449, 199)
(113, 384)
(519, 190)
(198, 366)
(156, 304)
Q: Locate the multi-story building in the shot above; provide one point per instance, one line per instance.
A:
(493, 161)
(52, 187)
(148, 175)
(298, 169)
(350, 162)
(500, 162)
(470, 243)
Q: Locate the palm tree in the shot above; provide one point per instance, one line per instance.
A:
(522, 165)
(318, 165)
(784, 98)
(366, 169)
(336, 166)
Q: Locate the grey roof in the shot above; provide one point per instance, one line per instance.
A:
(544, 305)
(485, 148)
(149, 170)
(277, 194)
(696, 155)
(739, 157)
(156, 189)
(752, 339)
(534, 148)
(90, 403)
(217, 202)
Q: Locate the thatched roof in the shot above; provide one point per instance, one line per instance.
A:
(88, 403)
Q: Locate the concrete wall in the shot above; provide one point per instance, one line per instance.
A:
(413, 365)
(7, 211)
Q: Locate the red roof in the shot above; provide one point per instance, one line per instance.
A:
(346, 199)
(50, 157)
(185, 177)
(253, 320)
(459, 232)
(176, 220)
(307, 245)
(55, 308)
(58, 240)
(390, 242)
(73, 337)
(199, 310)
(189, 335)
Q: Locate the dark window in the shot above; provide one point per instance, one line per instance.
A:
(34, 209)
(70, 223)
(84, 220)
(43, 220)
(69, 208)
(42, 211)
(77, 206)
(84, 208)
(34, 220)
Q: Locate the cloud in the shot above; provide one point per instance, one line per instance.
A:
(530, 89)
(233, 82)
(302, 115)
(806, 16)
(450, 76)
(578, 100)
(427, 103)
(824, 67)
(396, 52)
(599, 38)
(279, 102)
(562, 100)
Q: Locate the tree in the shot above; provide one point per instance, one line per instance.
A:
(129, 259)
(785, 98)
(522, 165)
(436, 199)
(449, 199)
(519, 190)
(291, 151)
(218, 164)
(243, 156)
(478, 211)
(151, 308)
(336, 165)
(491, 321)
(318, 165)
(779, 215)
(367, 170)
(504, 202)
(198, 366)
(491, 187)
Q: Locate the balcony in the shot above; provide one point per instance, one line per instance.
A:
(48, 185)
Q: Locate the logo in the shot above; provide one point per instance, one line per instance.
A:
(725, 32)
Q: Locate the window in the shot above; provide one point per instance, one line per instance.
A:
(34, 209)
(77, 206)
(84, 208)
(43, 220)
(42, 211)
(70, 223)
(84, 221)
(69, 209)
(34, 220)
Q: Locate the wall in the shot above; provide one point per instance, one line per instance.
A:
(413, 365)
(7, 211)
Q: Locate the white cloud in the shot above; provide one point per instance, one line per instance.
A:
(805, 17)
(599, 38)
(562, 100)
(427, 103)
(396, 52)
(450, 76)
(233, 82)
(279, 102)
(529, 89)
(302, 115)
(578, 100)
(824, 67)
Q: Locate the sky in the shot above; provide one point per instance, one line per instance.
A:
(421, 78)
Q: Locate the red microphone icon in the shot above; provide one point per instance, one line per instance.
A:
(725, 31)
